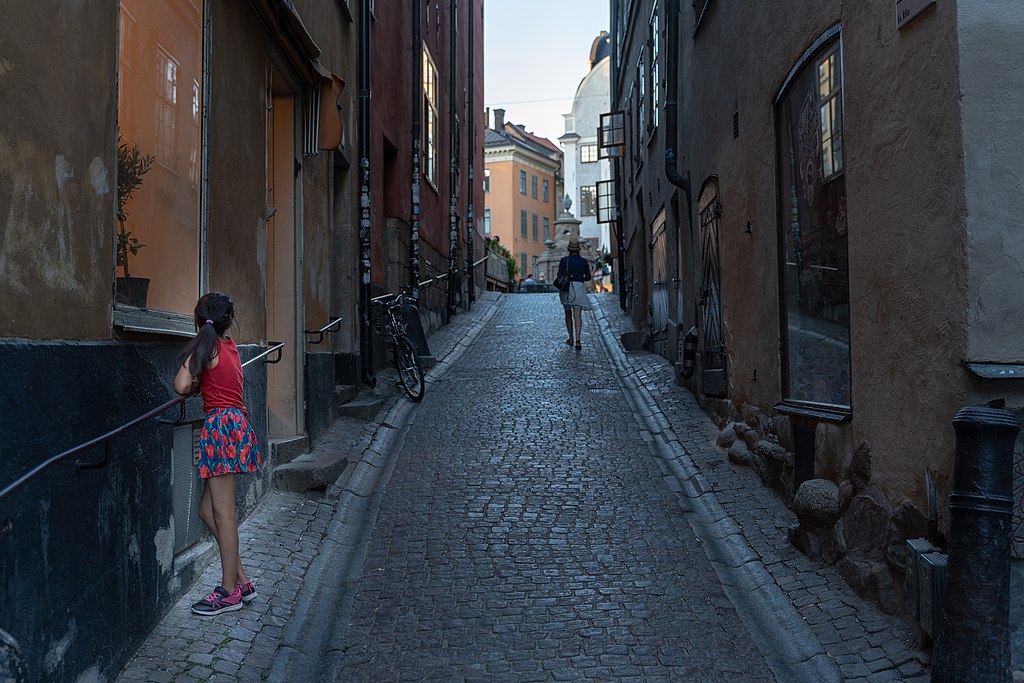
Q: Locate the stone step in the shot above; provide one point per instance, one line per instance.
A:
(427, 362)
(343, 393)
(310, 471)
(361, 408)
(284, 449)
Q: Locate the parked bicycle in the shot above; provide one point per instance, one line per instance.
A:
(388, 321)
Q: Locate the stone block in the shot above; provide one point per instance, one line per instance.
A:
(361, 408)
(284, 449)
(632, 341)
(784, 430)
(739, 453)
(727, 436)
(833, 450)
(816, 505)
(310, 471)
(806, 542)
(833, 547)
(343, 393)
(860, 467)
(751, 437)
(867, 525)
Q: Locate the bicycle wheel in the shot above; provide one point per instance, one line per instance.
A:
(409, 370)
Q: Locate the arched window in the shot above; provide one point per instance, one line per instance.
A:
(814, 276)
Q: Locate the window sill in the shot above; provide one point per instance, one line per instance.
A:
(818, 411)
(996, 370)
(149, 321)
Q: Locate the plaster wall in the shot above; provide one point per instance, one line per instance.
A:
(58, 145)
(236, 244)
(903, 181)
(593, 98)
(991, 61)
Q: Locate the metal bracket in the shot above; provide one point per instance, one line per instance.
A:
(267, 361)
(107, 448)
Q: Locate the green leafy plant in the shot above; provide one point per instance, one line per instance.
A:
(513, 267)
(131, 166)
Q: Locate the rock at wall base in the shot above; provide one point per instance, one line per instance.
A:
(806, 542)
(816, 505)
(833, 548)
(739, 454)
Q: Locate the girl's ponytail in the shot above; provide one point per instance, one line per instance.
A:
(214, 314)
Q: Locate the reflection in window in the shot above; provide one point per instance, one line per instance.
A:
(830, 106)
(430, 131)
(487, 180)
(159, 108)
(522, 182)
(812, 188)
(547, 192)
(588, 200)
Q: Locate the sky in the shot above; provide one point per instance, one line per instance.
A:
(535, 55)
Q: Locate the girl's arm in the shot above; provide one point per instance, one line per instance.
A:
(184, 382)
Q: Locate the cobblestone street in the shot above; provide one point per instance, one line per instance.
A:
(529, 526)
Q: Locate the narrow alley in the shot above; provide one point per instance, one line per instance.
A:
(525, 527)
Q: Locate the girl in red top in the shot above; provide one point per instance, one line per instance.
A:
(227, 444)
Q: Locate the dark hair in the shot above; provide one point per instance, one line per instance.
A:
(214, 314)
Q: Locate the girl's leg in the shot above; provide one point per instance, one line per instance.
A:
(222, 494)
(206, 512)
(578, 313)
(568, 323)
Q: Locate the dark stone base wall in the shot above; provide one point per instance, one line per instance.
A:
(320, 404)
(98, 543)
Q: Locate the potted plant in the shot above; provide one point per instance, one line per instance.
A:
(131, 166)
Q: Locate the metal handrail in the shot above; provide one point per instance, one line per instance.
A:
(105, 439)
(321, 331)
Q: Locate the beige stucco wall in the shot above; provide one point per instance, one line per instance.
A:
(506, 201)
(990, 37)
(904, 184)
(58, 146)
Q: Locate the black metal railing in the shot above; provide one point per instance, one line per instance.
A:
(322, 331)
(105, 439)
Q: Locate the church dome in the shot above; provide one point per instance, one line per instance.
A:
(601, 49)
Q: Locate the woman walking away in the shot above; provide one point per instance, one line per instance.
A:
(574, 299)
(227, 444)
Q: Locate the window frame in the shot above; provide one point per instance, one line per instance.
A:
(588, 208)
(535, 230)
(533, 185)
(522, 181)
(546, 190)
(152, 320)
(523, 227)
(589, 153)
(431, 120)
(611, 135)
(607, 210)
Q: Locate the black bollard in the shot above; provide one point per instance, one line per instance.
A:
(12, 667)
(973, 641)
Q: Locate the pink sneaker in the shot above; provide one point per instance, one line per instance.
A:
(219, 601)
(248, 590)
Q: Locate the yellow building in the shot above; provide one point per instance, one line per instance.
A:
(522, 182)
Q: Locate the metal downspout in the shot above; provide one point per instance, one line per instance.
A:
(453, 207)
(672, 103)
(365, 254)
(471, 152)
(620, 244)
(417, 140)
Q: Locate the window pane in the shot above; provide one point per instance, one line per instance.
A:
(588, 201)
(815, 281)
(159, 108)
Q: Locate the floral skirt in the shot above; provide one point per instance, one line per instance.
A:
(227, 445)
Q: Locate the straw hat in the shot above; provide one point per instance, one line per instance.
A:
(574, 244)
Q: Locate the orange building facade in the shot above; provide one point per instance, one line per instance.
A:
(521, 182)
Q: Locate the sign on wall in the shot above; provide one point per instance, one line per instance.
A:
(906, 10)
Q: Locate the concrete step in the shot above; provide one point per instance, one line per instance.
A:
(364, 408)
(285, 448)
(343, 393)
(310, 471)
(427, 362)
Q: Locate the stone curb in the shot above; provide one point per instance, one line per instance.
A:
(310, 647)
(789, 645)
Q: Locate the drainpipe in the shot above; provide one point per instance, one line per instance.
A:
(672, 103)
(453, 206)
(417, 123)
(471, 121)
(365, 254)
(620, 243)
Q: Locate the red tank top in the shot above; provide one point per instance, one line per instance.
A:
(222, 385)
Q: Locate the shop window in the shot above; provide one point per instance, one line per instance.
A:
(430, 120)
(159, 120)
(588, 201)
(813, 231)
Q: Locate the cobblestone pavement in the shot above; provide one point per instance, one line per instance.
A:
(278, 542)
(527, 534)
(866, 644)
